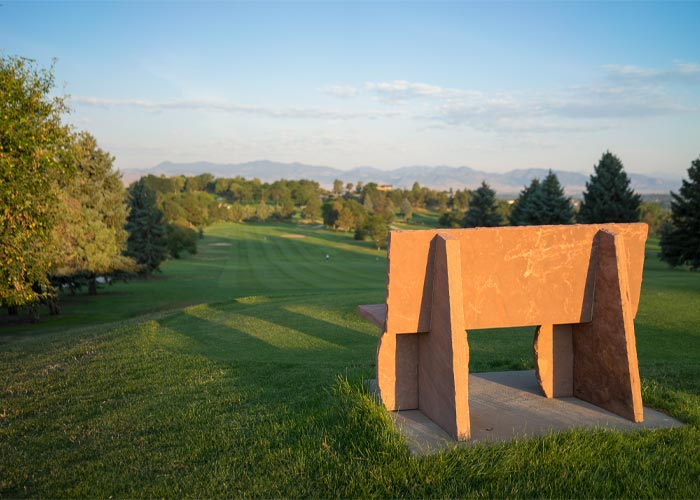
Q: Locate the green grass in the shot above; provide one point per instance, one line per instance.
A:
(239, 373)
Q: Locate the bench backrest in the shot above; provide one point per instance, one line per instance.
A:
(511, 276)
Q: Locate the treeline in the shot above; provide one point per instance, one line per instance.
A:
(203, 199)
(368, 210)
(608, 198)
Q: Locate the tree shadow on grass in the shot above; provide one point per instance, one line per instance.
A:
(271, 333)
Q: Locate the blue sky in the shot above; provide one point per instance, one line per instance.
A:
(494, 86)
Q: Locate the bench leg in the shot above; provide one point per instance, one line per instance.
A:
(397, 371)
(554, 360)
(606, 373)
(443, 353)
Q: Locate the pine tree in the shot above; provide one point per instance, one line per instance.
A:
(483, 209)
(680, 244)
(521, 214)
(549, 205)
(147, 243)
(608, 196)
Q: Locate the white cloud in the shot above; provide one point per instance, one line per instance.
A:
(402, 90)
(687, 73)
(229, 107)
(342, 91)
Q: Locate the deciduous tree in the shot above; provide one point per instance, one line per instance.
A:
(406, 209)
(34, 145)
(92, 238)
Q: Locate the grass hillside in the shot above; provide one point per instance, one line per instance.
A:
(238, 373)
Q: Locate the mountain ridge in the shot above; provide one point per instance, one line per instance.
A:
(437, 177)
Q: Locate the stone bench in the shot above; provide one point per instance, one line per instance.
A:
(578, 284)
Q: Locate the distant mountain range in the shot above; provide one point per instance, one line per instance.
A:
(436, 177)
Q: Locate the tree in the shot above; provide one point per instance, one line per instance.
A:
(460, 199)
(655, 216)
(680, 243)
(608, 196)
(522, 211)
(377, 230)
(148, 240)
(542, 203)
(346, 219)
(92, 239)
(312, 210)
(181, 237)
(331, 212)
(286, 209)
(452, 219)
(483, 208)
(406, 209)
(337, 187)
(368, 204)
(34, 145)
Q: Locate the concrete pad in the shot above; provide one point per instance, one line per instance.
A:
(505, 405)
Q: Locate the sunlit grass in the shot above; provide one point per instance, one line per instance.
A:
(239, 374)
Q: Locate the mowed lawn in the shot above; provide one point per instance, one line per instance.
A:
(238, 373)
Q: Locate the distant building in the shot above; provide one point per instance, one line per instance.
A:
(384, 187)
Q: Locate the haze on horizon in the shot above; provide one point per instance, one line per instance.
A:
(495, 87)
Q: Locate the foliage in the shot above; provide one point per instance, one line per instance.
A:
(452, 219)
(312, 209)
(680, 244)
(91, 237)
(406, 209)
(34, 161)
(377, 229)
(347, 215)
(149, 241)
(331, 212)
(181, 237)
(655, 216)
(483, 208)
(460, 199)
(542, 203)
(521, 214)
(608, 196)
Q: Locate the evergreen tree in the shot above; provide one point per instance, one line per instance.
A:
(543, 203)
(608, 196)
(92, 237)
(33, 146)
(522, 211)
(483, 208)
(680, 244)
(147, 243)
